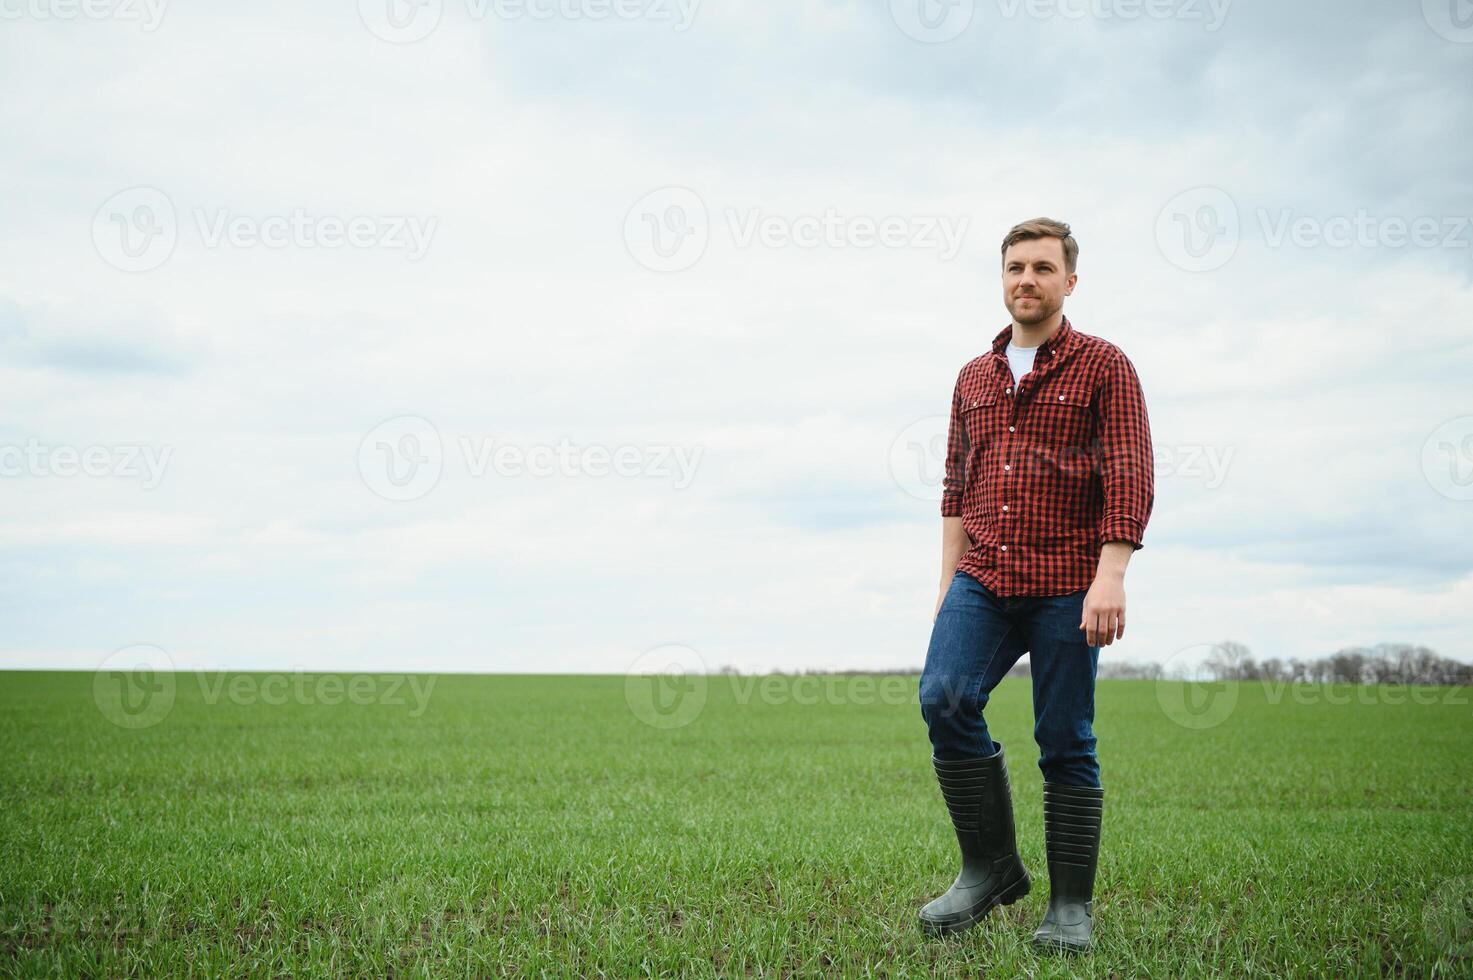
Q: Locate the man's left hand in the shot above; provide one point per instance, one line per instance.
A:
(1104, 611)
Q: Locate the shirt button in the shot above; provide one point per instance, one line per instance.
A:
(1061, 398)
(1010, 428)
(1007, 466)
(1004, 547)
(976, 403)
(1007, 391)
(1004, 506)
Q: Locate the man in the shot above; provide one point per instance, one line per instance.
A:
(1047, 491)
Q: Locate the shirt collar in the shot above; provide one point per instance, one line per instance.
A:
(1059, 343)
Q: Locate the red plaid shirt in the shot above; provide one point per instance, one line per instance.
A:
(1042, 473)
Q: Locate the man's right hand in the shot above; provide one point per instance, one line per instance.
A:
(955, 542)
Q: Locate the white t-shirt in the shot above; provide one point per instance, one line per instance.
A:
(1020, 359)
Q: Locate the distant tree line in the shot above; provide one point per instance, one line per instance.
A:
(1384, 663)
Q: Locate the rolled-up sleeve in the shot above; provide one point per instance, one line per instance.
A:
(954, 476)
(1126, 459)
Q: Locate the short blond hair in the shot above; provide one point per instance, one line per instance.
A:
(1044, 228)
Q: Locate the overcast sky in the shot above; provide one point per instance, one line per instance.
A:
(482, 335)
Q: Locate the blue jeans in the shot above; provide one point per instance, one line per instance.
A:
(978, 636)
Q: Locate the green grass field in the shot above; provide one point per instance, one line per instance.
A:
(537, 825)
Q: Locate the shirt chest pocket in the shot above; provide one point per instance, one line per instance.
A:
(980, 417)
(1060, 416)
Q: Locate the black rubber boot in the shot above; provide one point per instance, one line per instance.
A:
(977, 794)
(1071, 829)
